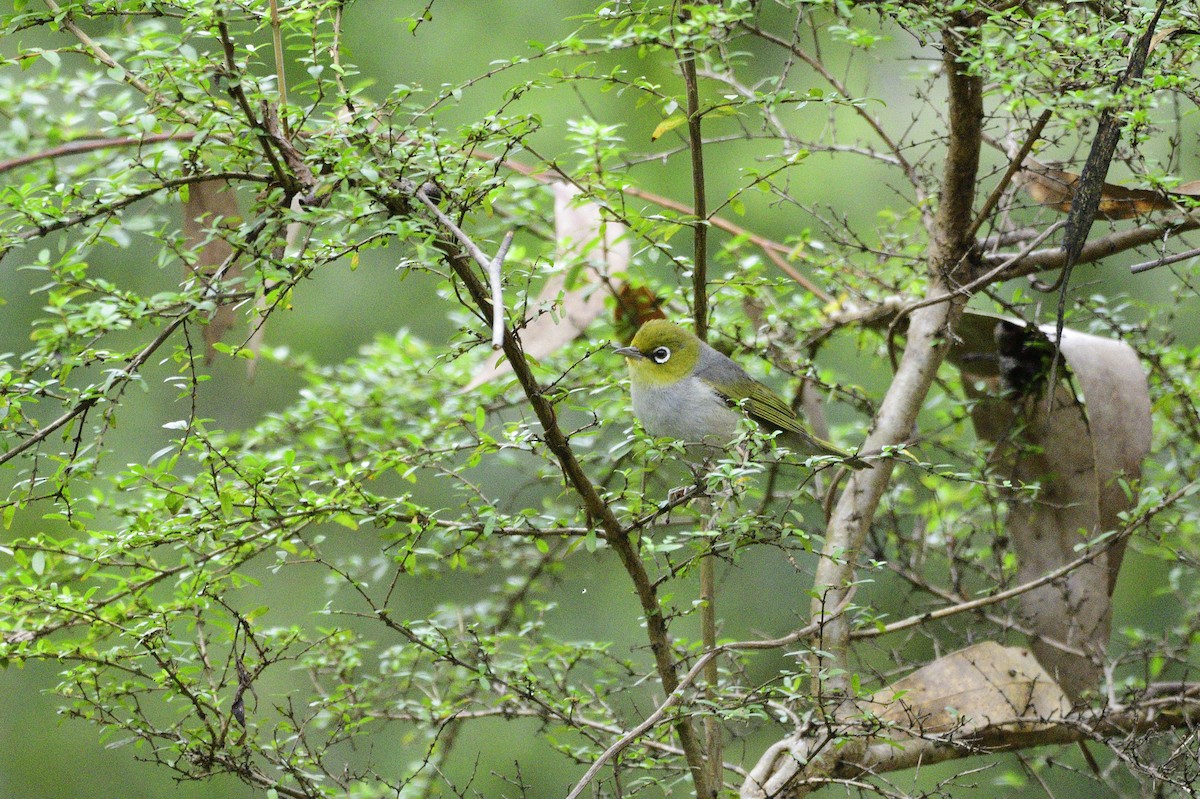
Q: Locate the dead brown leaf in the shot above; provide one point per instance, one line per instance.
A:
(1171, 33)
(1189, 189)
(636, 305)
(1055, 188)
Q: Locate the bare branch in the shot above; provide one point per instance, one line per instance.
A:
(815, 63)
(117, 380)
(1014, 167)
(1166, 260)
(1094, 250)
(80, 146)
(1100, 547)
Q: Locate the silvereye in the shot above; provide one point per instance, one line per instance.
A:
(682, 388)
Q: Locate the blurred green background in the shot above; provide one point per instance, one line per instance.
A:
(339, 310)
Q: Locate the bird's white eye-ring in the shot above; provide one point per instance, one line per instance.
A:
(661, 354)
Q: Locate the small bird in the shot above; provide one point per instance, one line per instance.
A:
(682, 388)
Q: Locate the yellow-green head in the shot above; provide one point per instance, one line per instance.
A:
(661, 353)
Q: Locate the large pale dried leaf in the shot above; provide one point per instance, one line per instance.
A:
(983, 695)
(983, 687)
(1055, 188)
(1172, 32)
(209, 203)
(593, 255)
(1078, 450)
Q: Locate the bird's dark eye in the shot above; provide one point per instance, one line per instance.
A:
(661, 355)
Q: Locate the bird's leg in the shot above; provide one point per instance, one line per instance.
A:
(679, 494)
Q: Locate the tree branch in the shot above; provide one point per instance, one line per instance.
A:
(894, 422)
(117, 379)
(897, 748)
(615, 534)
(926, 349)
(687, 65)
(79, 146)
(1094, 250)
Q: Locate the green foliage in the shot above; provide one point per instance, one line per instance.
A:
(365, 581)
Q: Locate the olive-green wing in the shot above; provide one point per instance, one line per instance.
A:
(768, 408)
(763, 405)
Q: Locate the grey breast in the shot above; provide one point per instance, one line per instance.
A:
(689, 410)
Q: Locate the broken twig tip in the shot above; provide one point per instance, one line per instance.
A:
(494, 276)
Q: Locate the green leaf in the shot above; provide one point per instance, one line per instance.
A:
(667, 125)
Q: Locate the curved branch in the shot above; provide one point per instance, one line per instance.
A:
(1094, 250)
(1168, 706)
(927, 347)
(108, 208)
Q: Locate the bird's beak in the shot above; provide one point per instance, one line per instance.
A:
(629, 352)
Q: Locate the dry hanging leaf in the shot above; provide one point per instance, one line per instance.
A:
(1055, 188)
(593, 255)
(983, 687)
(211, 203)
(1171, 33)
(1077, 450)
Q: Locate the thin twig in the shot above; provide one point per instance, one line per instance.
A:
(479, 255)
(647, 724)
(776, 252)
(233, 86)
(280, 75)
(675, 696)
(491, 266)
(975, 604)
(79, 146)
(687, 65)
(100, 54)
(1014, 167)
(984, 279)
(108, 208)
(819, 67)
(1166, 260)
(86, 403)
